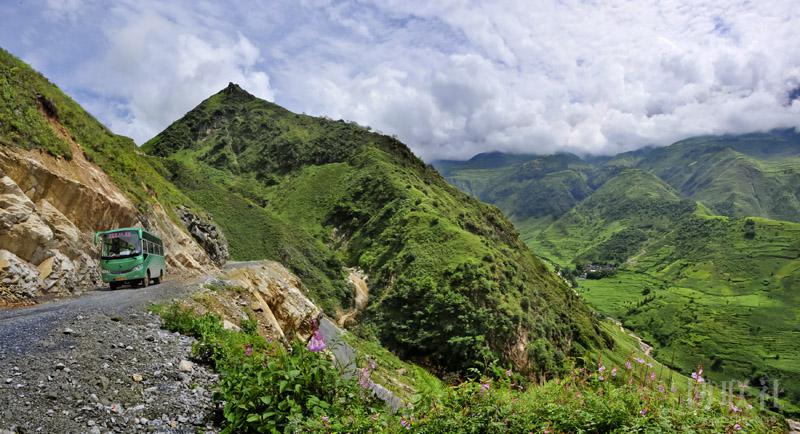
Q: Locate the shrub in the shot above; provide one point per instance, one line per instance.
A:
(266, 387)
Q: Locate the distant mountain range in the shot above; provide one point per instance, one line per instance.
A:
(702, 235)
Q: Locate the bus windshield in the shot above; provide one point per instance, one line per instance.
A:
(122, 244)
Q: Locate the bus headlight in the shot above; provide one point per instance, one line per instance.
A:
(138, 267)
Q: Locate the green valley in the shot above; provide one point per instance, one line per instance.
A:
(695, 246)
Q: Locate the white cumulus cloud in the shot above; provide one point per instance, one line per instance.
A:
(450, 78)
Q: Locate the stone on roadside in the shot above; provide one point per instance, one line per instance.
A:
(137, 377)
(186, 366)
(227, 325)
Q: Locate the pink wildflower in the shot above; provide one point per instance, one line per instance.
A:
(484, 388)
(735, 409)
(601, 378)
(405, 423)
(643, 412)
(364, 380)
(649, 365)
(639, 361)
(248, 350)
(628, 364)
(508, 372)
(661, 388)
(652, 376)
(737, 427)
(696, 376)
(614, 372)
(317, 343)
(326, 421)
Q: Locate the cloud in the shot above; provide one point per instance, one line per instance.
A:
(155, 69)
(449, 78)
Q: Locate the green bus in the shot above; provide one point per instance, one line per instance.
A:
(131, 256)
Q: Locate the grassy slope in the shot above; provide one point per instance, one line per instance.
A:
(533, 191)
(451, 284)
(260, 378)
(702, 292)
(26, 97)
(614, 221)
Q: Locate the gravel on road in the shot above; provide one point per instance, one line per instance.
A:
(102, 364)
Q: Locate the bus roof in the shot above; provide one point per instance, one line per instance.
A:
(111, 231)
(137, 230)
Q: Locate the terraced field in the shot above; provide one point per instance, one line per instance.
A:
(729, 303)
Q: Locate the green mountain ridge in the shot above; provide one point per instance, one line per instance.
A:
(451, 285)
(747, 175)
(611, 224)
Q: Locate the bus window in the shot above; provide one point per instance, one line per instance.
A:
(121, 244)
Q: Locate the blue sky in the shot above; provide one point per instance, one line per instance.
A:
(449, 78)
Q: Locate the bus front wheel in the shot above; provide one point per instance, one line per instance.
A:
(146, 280)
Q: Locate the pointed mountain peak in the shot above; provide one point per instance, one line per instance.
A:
(234, 90)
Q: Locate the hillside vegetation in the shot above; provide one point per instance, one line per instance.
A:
(32, 108)
(264, 387)
(702, 260)
(451, 285)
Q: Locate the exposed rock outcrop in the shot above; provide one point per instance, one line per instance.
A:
(18, 279)
(266, 291)
(42, 251)
(184, 255)
(207, 235)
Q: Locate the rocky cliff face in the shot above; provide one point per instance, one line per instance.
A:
(207, 235)
(49, 211)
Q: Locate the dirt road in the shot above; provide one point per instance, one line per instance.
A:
(101, 363)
